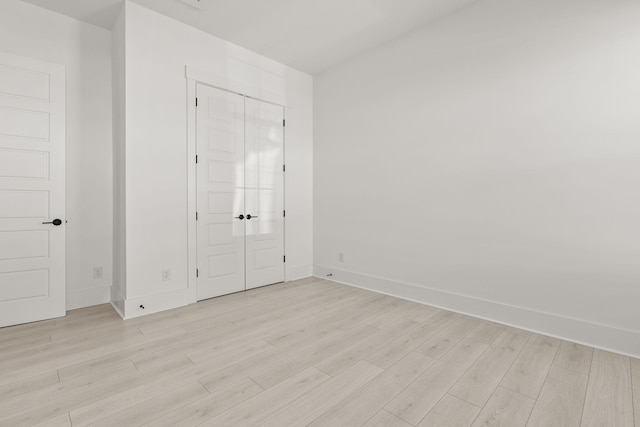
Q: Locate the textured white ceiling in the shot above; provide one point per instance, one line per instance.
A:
(310, 35)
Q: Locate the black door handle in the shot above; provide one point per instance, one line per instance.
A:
(55, 222)
(249, 216)
(241, 217)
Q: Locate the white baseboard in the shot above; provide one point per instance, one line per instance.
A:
(299, 272)
(156, 303)
(131, 307)
(88, 297)
(580, 331)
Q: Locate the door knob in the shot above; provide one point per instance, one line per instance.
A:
(55, 222)
(241, 217)
(249, 216)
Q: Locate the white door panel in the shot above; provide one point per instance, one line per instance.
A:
(24, 164)
(264, 142)
(220, 192)
(32, 172)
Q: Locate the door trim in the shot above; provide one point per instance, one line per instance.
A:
(195, 77)
(231, 85)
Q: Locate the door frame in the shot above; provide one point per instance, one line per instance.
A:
(195, 76)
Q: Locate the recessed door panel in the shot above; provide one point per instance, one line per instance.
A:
(32, 182)
(222, 203)
(24, 82)
(222, 171)
(221, 234)
(21, 286)
(24, 164)
(265, 258)
(24, 123)
(24, 204)
(222, 140)
(220, 192)
(225, 264)
(24, 244)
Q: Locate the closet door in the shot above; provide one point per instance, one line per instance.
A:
(220, 192)
(264, 193)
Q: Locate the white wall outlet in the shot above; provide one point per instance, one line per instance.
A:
(166, 275)
(97, 273)
(341, 257)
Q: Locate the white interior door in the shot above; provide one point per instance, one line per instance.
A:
(32, 190)
(220, 192)
(264, 193)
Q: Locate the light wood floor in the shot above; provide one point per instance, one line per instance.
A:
(310, 352)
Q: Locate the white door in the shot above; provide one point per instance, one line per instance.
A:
(220, 192)
(32, 195)
(240, 192)
(264, 193)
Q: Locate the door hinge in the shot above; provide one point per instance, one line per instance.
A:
(283, 123)
(284, 169)
(196, 216)
(284, 213)
(197, 273)
(196, 158)
(196, 102)
(284, 258)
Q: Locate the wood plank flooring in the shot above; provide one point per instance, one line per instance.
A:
(310, 352)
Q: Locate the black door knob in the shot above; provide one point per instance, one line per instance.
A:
(55, 222)
(241, 217)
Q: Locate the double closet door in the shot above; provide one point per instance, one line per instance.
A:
(240, 192)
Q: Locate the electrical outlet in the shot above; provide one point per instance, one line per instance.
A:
(166, 275)
(341, 257)
(97, 272)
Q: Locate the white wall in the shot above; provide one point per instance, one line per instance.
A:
(490, 163)
(157, 51)
(85, 51)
